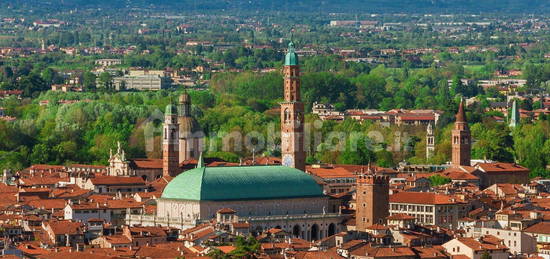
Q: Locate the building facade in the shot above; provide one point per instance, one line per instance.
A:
(142, 82)
(264, 196)
(429, 208)
(372, 201)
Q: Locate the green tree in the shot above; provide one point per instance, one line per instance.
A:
(89, 81)
(437, 180)
(248, 248)
(358, 151)
(105, 81)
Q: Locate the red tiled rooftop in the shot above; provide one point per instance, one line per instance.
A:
(117, 180)
(146, 163)
(501, 167)
(400, 216)
(423, 198)
(539, 228)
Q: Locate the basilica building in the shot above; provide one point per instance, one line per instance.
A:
(265, 197)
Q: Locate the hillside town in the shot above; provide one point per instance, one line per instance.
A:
(261, 129)
(187, 206)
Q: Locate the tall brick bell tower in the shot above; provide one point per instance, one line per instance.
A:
(461, 139)
(170, 142)
(372, 201)
(292, 114)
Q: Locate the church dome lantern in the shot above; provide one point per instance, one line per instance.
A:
(291, 58)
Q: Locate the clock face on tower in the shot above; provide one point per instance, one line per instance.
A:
(288, 160)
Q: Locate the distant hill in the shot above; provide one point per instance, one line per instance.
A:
(395, 6)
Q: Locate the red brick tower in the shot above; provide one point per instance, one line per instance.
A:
(292, 114)
(461, 139)
(170, 142)
(372, 201)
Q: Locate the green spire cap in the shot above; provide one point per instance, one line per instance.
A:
(514, 115)
(291, 58)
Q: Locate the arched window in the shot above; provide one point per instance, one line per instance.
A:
(286, 116)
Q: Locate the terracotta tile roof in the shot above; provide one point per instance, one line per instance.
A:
(353, 244)
(226, 211)
(110, 252)
(4, 188)
(72, 192)
(7, 199)
(35, 190)
(262, 161)
(38, 181)
(331, 172)
(423, 198)
(329, 254)
(148, 231)
(32, 250)
(146, 163)
(226, 249)
(458, 174)
(201, 234)
(490, 239)
(417, 117)
(117, 180)
(197, 228)
(274, 230)
(48, 204)
(480, 246)
(501, 167)
(460, 257)
(100, 197)
(64, 227)
(74, 255)
(359, 168)
(160, 184)
(118, 239)
(149, 195)
(377, 227)
(123, 204)
(509, 189)
(429, 252)
(539, 228)
(157, 252)
(240, 225)
(379, 252)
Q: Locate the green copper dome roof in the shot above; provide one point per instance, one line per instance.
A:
(291, 58)
(171, 110)
(241, 183)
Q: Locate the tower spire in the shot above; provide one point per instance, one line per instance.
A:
(460, 115)
(200, 162)
(461, 139)
(292, 113)
(430, 142)
(170, 147)
(514, 115)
